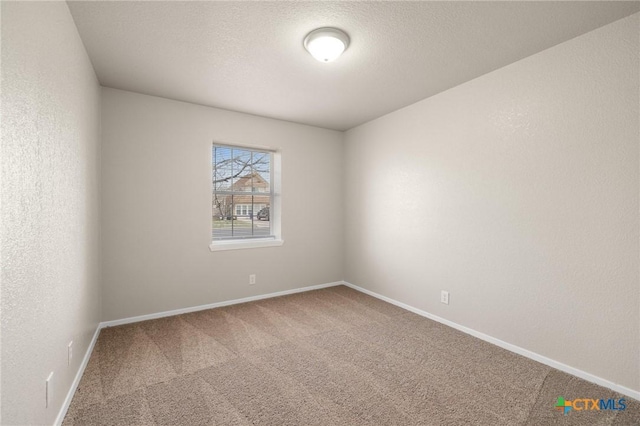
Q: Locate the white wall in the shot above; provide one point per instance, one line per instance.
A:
(157, 206)
(50, 210)
(518, 193)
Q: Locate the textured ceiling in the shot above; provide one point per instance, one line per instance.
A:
(248, 56)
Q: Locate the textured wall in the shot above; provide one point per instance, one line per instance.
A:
(518, 193)
(50, 227)
(156, 222)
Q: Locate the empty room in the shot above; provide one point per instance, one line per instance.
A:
(320, 213)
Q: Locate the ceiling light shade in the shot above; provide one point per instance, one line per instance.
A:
(326, 44)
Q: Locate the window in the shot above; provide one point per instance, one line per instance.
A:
(243, 198)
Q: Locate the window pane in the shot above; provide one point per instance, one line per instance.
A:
(262, 217)
(222, 220)
(261, 172)
(222, 168)
(222, 205)
(242, 224)
(242, 175)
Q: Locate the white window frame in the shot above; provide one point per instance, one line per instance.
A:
(275, 239)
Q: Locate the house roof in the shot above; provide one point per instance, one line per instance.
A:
(251, 180)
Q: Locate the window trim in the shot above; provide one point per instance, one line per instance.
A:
(247, 243)
(273, 240)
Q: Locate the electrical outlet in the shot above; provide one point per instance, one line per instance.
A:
(69, 353)
(48, 390)
(444, 297)
(252, 279)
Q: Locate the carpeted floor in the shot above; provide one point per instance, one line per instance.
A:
(327, 357)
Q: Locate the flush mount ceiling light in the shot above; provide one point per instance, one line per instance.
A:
(326, 44)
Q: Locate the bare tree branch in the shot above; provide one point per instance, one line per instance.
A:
(246, 167)
(243, 165)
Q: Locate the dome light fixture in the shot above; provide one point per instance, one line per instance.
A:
(326, 44)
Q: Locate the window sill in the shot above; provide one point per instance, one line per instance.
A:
(246, 244)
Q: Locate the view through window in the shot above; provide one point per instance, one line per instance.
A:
(242, 193)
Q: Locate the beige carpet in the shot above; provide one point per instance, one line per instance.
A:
(326, 357)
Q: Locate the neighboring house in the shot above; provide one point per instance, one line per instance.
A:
(243, 205)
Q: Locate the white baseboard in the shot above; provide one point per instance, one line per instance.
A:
(508, 346)
(76, 380)
(215, 305)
